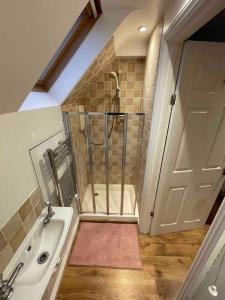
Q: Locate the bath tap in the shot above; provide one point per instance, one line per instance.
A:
(6, 288)
(50, 214)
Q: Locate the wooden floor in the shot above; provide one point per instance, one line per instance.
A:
(166, 260)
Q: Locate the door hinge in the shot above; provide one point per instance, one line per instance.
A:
(152, 214)
(173, 99)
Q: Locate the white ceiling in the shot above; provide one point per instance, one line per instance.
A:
(128, 40)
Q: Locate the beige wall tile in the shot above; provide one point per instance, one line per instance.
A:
(38, 208)
(12, 226)
(25, 209)
(17, 239)
(3, 241)
(131, 67)
(100, 85)
(130, 85)
(29, 221)
(6, 255)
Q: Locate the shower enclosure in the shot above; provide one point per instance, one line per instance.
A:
(106, 147)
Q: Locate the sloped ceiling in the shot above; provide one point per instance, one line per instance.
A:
(30, 33)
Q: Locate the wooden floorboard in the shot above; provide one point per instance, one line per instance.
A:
(166, 260)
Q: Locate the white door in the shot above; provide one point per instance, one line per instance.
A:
(194, 158)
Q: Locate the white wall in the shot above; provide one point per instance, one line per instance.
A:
(19, 132)
(132, 42)
(30, 33)
(128, 40)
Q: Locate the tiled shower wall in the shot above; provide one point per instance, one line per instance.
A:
(100, 97)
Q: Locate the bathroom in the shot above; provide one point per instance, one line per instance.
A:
(88, 104)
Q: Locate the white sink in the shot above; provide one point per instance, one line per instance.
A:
(33, 278)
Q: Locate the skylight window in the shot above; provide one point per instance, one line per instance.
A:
(71, 43)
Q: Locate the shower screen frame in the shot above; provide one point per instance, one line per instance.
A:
(105, 115)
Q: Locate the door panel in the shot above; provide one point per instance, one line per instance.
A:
(209, 83)
(217, 153)
(191, 135)
(191, 174)
(199, 203)
(173, 205)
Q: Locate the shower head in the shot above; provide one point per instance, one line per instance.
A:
(114, 75)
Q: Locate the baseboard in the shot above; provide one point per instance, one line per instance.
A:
(64, 261)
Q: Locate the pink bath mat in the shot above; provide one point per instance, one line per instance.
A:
(106, 245)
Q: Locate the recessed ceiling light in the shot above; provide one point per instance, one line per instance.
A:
(142, 28)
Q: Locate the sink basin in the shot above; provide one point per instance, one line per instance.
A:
(40, 254)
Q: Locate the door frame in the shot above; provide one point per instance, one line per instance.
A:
(192, 16)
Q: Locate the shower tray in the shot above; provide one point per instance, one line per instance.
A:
(115, 200)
